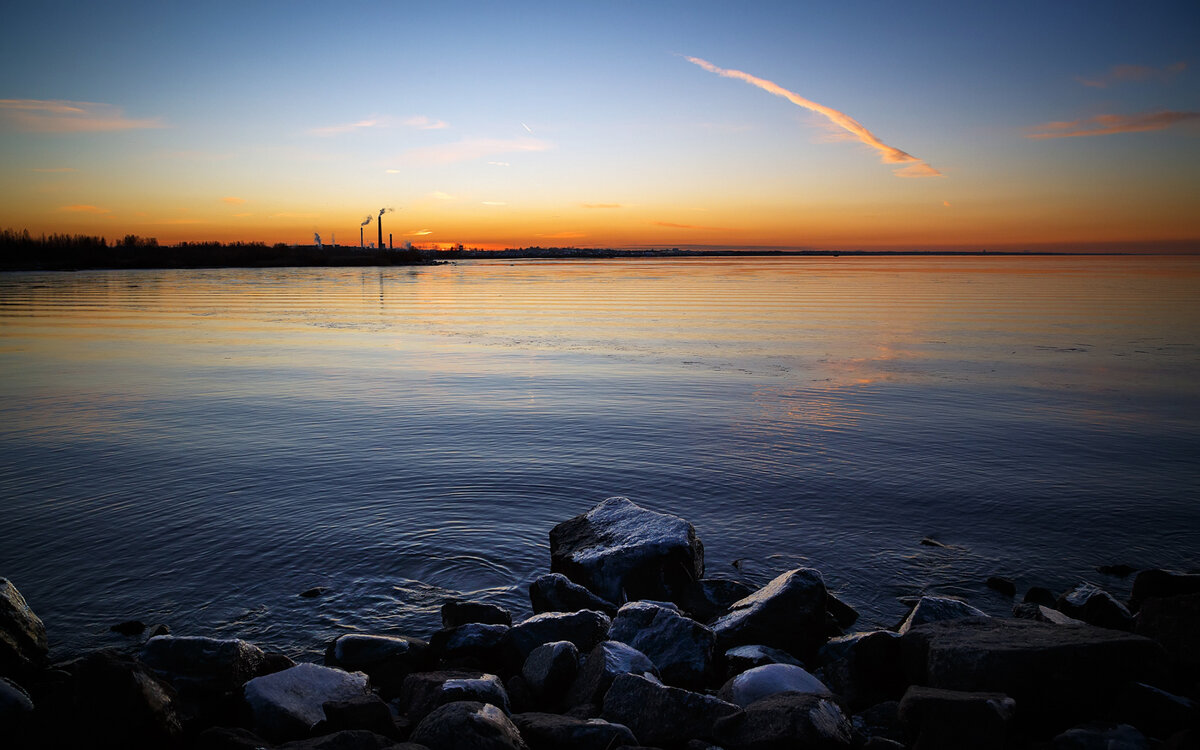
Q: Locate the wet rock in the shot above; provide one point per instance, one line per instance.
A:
(350, 739)
(769, 679)
(709, 598)
(367, 712)
(604, 663)
(117, 701)
(864, 668)
(740, 658)
(554, 592)
(930, 542)
(1057, 674)
(1097, 736)
(468, 725)
(1159, 584)
(1031, 611)
(950, 719)
(621, 551)
(788, 613)
(16, 715)
(935, 609)
(229, 738)
(844, 616)
(275, 661)
(203, 665)
(1175, 623)
(543, 731)
(1117, 571)
(471, 645)
(661, 715)
(1156, 713)
(457, 612)
(680, 647)
(1002, 585)
(785, 721)
(314, 592)
(386, 659)
(425, 691)
(585, 629)
(159, 629)
(550, 670)
(1095, 606)
(881, 721)
(23, 644)
(289, 704)
(129, 627)
(1040, 595)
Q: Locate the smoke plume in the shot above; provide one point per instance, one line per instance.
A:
(367, 220)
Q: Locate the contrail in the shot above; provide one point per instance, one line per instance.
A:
(889, 154)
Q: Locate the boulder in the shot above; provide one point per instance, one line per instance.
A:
(16, 715)
(554, 592)
(457, 612)
(471, 645)
(740, 658)
(386, 659)
(1160, 584)
(788, 613)
(23, 644)
(229, 738)
(709, 598)
(864, 668)
(621, 551)
(1040, 595)
(680, 647)
(785, 721)
(842, 614)
(1156, 713)
(287, 705)
(880, 722)
(117, 701)
(361, 712)
(661, 715)
(203, 665)
(425, 691)
(350, 739)
(1174, 622)
(1031, 611)
(1095, 606)
(1057, 674)
(543, 731)
(1100, 736)
(129, 627)
(550, 670)
(468, 725)
(940, 719)
(1002, 585)
(604, 663)
(585, 629)
(935, 609)
(769, 679)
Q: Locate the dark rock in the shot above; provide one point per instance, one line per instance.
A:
(788, 613)
(621, 551)
(550, 670)
(117, 701)
(769, 679)
(1155, 712)
(471, 645)
(386, 659)
(1002, 585)
(229, 738)
(274, 661)
(425, 691)
(158, 630)
(129, 627)
(843, 614)
(1095, 606)
(468, 725)
(929, 542)
(1098, 736)
(785, 721)
(881, 721)
(585, 629)
(935, 609)
(864, 668)
(1031, 611)
(350, 739)
(680, 647)
(17, 728)
(456, 612)
(554, 592)
(367, 712)
(203, 665)
(23, 644)
(709, 598)
(314, 592)
(740, 658)
(544, 731)
(1057, 674)
(521, 698)
(1042, 596)
(289, 704)
(662, 715)
(1173, 622)
(604, 663)
(1159, 584)
(1117, 571)
(882, 743)
(950, 719)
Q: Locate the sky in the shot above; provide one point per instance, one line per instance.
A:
(862, 125)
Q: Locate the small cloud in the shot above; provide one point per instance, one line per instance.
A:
(419, 233)
(54, 170)
(600, 205)
(83, 208)
(439, 195)
(494, 203)
(469, 149)
(499, 164)
(563, 235)
(233, 201)
(1112, 124)
(420, 122)
(1127, 73)
(60, 116)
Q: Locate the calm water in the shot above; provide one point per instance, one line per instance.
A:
(198, 447)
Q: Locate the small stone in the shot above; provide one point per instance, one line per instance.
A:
(1031, 611)
(1095, 606)
(1002, 585)
(314, 592)
(1118, 571)
(554, 592)
(769, 679)
(930, 542)
(456, 612)
(129, 627)
(1040, 595)
(158, 630)
(843, 614)
(937, 608)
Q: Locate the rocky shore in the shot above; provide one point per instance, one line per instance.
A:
(631, 646)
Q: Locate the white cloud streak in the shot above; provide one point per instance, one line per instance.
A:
(60, 116)
(418, 122)
(1112, 124)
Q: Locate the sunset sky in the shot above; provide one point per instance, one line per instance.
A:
(792, 124)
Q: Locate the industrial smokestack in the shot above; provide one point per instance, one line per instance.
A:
(389, 240)
(361, 245)
(379, 226)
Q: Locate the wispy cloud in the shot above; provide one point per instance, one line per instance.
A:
(419, 122)
(440, 196)
(233, 200)
(54, 170)
(889, 154)
(469, 149)
(563, 235)
(83, 208)
(60, 116)
(600, 205)
(418, 233)
(1127, 73)
(499, 164)
(1112, 124)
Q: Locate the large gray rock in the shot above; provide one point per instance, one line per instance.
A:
(544, 731)
(680, 647)
(117, 702)
(864, 668)
(348, 739)
(709, 598)
(1057, 674)
(468, 725)
(209, 665)
(785, 721)
(287, 705)
(769, 679)
(604, 663)
(936, 609)
(950, 719)
(386, 659)
(23, 644)
(457, 612)
(550, 670)
(585, 629)
(1041, 613)
(621, 551)
(1099, 736)
(1095, 606)
(740, 658)
(471, 645)
(554, 592)
(425, 691)
(16, 715)
(788, 613)
(660, 715)
(1160, 584)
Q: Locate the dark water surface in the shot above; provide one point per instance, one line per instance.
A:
(198, 447)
